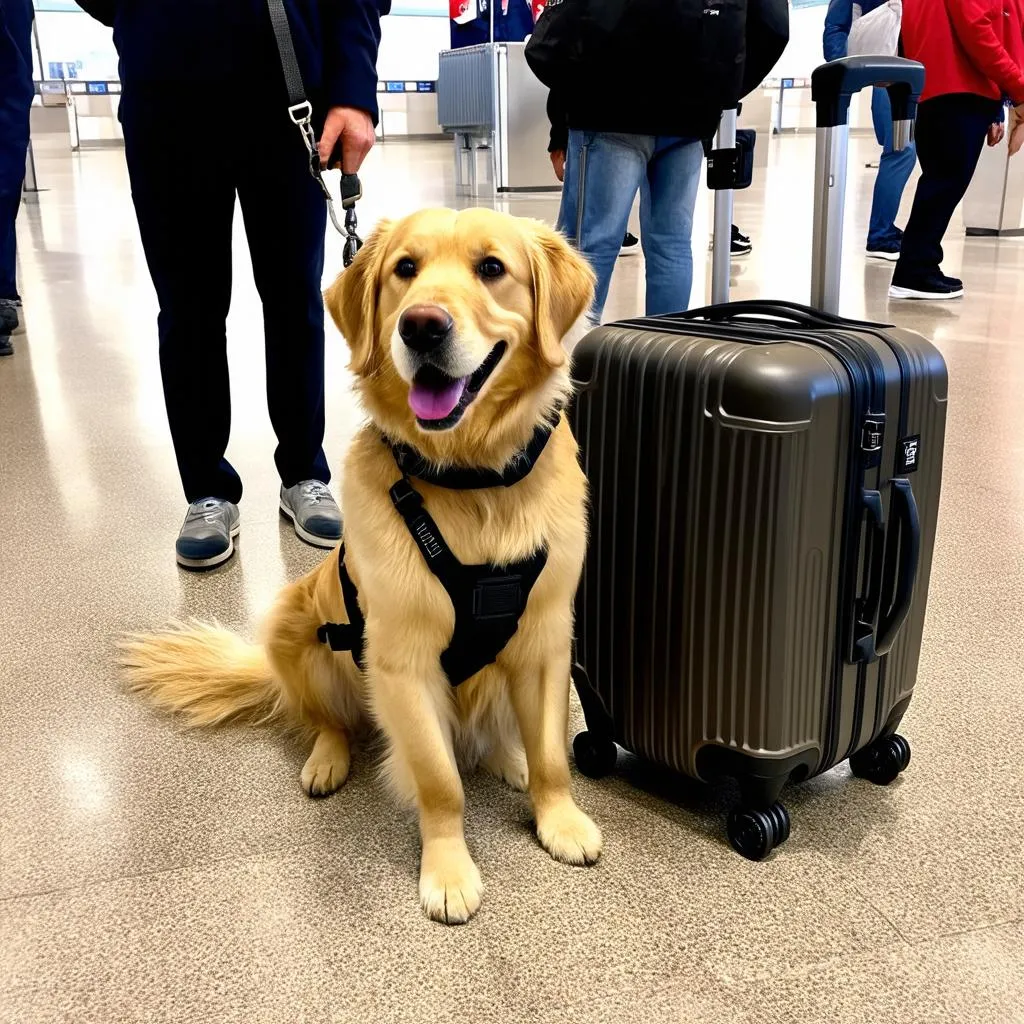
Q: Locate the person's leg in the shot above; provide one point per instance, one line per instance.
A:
(894, 170)
(184, 198)
(950, 136)
(667, 198)
(285, 221)
(16, 92)
(602, 174)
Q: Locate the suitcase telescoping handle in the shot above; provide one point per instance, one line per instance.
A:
(833, 85)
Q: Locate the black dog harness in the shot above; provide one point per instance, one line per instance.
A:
(489, 600)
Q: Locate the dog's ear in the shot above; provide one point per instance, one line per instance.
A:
(352, 299)
(563, 289)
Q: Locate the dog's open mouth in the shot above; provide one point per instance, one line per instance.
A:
(438, 401)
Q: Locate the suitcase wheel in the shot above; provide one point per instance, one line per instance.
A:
(595, 754)
(754, 834)
(881, 761)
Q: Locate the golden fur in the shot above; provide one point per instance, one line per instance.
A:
(511, 718)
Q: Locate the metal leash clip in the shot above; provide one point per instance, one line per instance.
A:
(351, 188)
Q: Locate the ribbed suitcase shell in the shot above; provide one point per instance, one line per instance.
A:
(709, 620)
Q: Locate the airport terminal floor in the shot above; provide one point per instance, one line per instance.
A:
(149, 873)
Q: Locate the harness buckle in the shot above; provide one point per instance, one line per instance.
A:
(498, 597)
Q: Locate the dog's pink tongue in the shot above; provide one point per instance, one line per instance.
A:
(430, 404)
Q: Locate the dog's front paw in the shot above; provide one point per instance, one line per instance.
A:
(450, 884)
(568, 834)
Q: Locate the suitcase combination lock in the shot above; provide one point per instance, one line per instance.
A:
(871, 438)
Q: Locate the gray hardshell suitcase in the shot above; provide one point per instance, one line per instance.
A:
(764, 482)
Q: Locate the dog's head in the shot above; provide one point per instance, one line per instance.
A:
(456, 323)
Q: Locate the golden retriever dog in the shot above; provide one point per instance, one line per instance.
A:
(456, 324)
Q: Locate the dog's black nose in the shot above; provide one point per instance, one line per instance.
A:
(425, 328)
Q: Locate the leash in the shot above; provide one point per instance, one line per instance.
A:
(300, 111)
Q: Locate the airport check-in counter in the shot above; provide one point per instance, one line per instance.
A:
(490, 100)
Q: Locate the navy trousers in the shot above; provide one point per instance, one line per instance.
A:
(186, 169)
(950, 134)
(15, 103)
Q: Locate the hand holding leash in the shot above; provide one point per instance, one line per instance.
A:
(347, 136)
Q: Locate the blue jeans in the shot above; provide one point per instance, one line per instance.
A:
(603, 171)
(894, 170)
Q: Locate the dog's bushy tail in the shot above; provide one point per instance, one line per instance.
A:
(203, 672)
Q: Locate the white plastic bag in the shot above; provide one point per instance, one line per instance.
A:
(877, 33)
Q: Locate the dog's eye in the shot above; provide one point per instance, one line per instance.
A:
(490, 267)
(405, 267)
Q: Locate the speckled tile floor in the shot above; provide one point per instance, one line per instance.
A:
(149, 874)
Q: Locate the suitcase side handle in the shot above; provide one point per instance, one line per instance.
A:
(908, 523)
(865, 608)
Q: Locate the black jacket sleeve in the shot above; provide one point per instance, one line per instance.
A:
(767, 36)
(559, 139)
(101, 10)
(352, 37)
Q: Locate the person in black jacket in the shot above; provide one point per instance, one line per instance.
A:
(633, 89)
(16, 91)
(204, 109)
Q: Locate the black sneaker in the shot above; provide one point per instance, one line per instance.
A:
(630, 245)
(933, 286)
(6, 348)
(741, 245)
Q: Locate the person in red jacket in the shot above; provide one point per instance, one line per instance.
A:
(973, 54)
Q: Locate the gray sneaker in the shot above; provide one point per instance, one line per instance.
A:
(313, 511)
(8, 325)
(207, 536)
(10, 322)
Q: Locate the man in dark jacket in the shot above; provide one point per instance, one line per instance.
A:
(205, 115)
(634, 90)
(16, 92)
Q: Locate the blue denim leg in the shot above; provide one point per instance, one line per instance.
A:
(668, 195)
(603, 171)
(894, 170)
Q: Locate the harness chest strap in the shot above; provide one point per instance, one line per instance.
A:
(351, 635)
(488, 600)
